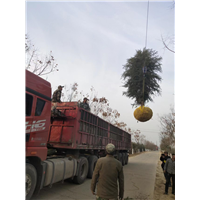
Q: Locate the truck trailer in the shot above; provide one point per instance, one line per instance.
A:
(64, 142)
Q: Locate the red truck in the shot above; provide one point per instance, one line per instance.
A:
(65, 144)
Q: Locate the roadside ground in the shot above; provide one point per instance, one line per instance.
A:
(159, 187)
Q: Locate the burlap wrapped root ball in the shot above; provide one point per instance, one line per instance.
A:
(143, 113)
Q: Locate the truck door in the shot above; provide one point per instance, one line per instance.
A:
(29, 116)
(40, 123)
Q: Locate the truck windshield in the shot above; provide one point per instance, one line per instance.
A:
(39, 107)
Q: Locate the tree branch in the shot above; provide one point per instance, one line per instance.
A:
(166, 45)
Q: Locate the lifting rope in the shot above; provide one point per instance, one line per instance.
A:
(147, 24)
(144, 67)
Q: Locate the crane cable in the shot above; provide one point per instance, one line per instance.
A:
(144, 68)
(147, 24)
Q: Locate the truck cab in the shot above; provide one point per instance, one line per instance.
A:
(38, 113)
(41, 170)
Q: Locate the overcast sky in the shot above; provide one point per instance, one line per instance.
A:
(91, 41)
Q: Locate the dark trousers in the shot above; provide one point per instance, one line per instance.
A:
(169, 184)
(168, 177)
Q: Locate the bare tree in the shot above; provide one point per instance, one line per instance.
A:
(139, 138)
(70, 93)
(165, 144)
(136, 135)
(98, 105)
(167, 123)
(121, 125)
(169, 41)
(150, 145)
(28, 44)
(37, 63)
(111, 115)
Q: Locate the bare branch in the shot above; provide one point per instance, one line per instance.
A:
(166, 45)
(35, 62)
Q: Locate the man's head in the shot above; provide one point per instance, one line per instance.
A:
(173, 156)
(60, 87)
(85, 100)
(166, 153)
(110, 149)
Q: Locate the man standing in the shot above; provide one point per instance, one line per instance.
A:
(164, 158)
(169, 170)
(85, 104)
(57, 95)
(108, 171)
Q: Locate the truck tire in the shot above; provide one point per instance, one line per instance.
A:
(31, 179)
(126, 158)
(123, 159)
(92, 160)
(82, 171)
(120, 157)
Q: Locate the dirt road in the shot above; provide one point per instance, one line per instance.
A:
(139, 176)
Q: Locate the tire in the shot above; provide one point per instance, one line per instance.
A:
(126, 158)
(82, 171)
(123, 159)
(31, 179)
(92, 160)
(120, 158)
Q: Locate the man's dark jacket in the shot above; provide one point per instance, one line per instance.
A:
(163, 160)
(85, 106)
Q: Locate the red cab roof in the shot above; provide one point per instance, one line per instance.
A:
(38, 84)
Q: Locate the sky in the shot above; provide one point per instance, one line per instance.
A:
(91, 42)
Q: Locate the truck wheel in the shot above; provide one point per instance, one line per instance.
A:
(92, 160)
(31, 179)
(126, 158)
(123, 159)
(120, 157)
(82, 171)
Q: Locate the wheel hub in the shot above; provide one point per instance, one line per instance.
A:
(28, 183)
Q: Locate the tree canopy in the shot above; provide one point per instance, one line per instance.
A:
(133, 76)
